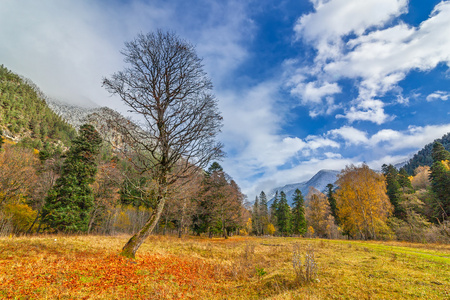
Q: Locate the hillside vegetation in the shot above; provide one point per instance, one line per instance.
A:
(423, 157)
(25, 114)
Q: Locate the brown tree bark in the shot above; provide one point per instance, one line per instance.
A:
(133, 244)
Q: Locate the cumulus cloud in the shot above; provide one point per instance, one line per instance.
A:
(414, 137)
(351, 135)
(359, 40)
(438, 95)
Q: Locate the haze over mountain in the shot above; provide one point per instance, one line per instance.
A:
(302, 85)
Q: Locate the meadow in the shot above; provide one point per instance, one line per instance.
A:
(89, 267)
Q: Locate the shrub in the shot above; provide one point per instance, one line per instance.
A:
(21, 216)
(305, 271)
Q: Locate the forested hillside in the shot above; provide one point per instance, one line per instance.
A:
(423, 157)
(24, 114)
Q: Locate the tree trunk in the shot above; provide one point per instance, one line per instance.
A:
(133, 244)
(91, 221)
(34, 222)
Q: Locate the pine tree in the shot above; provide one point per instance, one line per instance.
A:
(439, 153)
(284, 215)
(273, 210)
(69, 202)
(393, 189)
(298, 214)
(404, 181)
(332, 201)
(256, 218)
(263, 212)
(440, 181)
(2, 140)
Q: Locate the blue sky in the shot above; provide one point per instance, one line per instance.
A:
(302, 85)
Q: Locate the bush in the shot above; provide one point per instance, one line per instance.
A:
(305, 271)
(20, 216)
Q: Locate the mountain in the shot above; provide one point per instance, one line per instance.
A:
(73, 114)
(423, 157)
(318, 181)
(29, 117)
(25, 116)
(104, 119)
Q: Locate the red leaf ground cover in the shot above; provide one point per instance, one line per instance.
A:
(45, 272)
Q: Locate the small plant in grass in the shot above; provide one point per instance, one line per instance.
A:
(305, 270)
(260, 272)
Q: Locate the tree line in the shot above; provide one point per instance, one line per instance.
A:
(367, 205)
(90, 189)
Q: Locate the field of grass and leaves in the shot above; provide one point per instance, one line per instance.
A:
(88, 267)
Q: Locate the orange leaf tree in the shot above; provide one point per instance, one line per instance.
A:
(362, 202)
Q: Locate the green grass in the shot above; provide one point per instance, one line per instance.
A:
(237, 268)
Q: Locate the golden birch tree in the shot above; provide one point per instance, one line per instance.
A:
(362, 203)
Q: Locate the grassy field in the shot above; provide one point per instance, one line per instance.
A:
(88, 267)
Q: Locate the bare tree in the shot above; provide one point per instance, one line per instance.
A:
(165, 84)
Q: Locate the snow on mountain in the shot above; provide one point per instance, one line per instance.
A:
(318, 181)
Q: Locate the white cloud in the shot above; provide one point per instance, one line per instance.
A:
(355, 40)
(438, 95)
(337, 18)
(367, 110)
(415, 137)
(351, 135)
(314, 92)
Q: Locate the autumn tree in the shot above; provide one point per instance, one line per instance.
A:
(317, 211)
(106, 194)
(363, 206)
(17, 185)
(298, 213)
(183, 207)
(68, 205)
(421, 179)
(17, 174)
(165, 85)
(221, 203)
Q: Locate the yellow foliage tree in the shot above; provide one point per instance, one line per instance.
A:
(270, 229)
(421, 179)
(362, 202)
(317, 211)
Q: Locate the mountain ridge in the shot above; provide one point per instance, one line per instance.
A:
(319, 181)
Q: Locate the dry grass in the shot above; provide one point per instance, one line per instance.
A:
(88, 267)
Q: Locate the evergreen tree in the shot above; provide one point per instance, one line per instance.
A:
(263, 211)
(273, 210)
(2, 140)
(332, 201)
(439, 153)
(284, 215)
(256, 218)
(440, 181)
(393, 189)
(404, 181)
(298, 214)
(69, 202)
